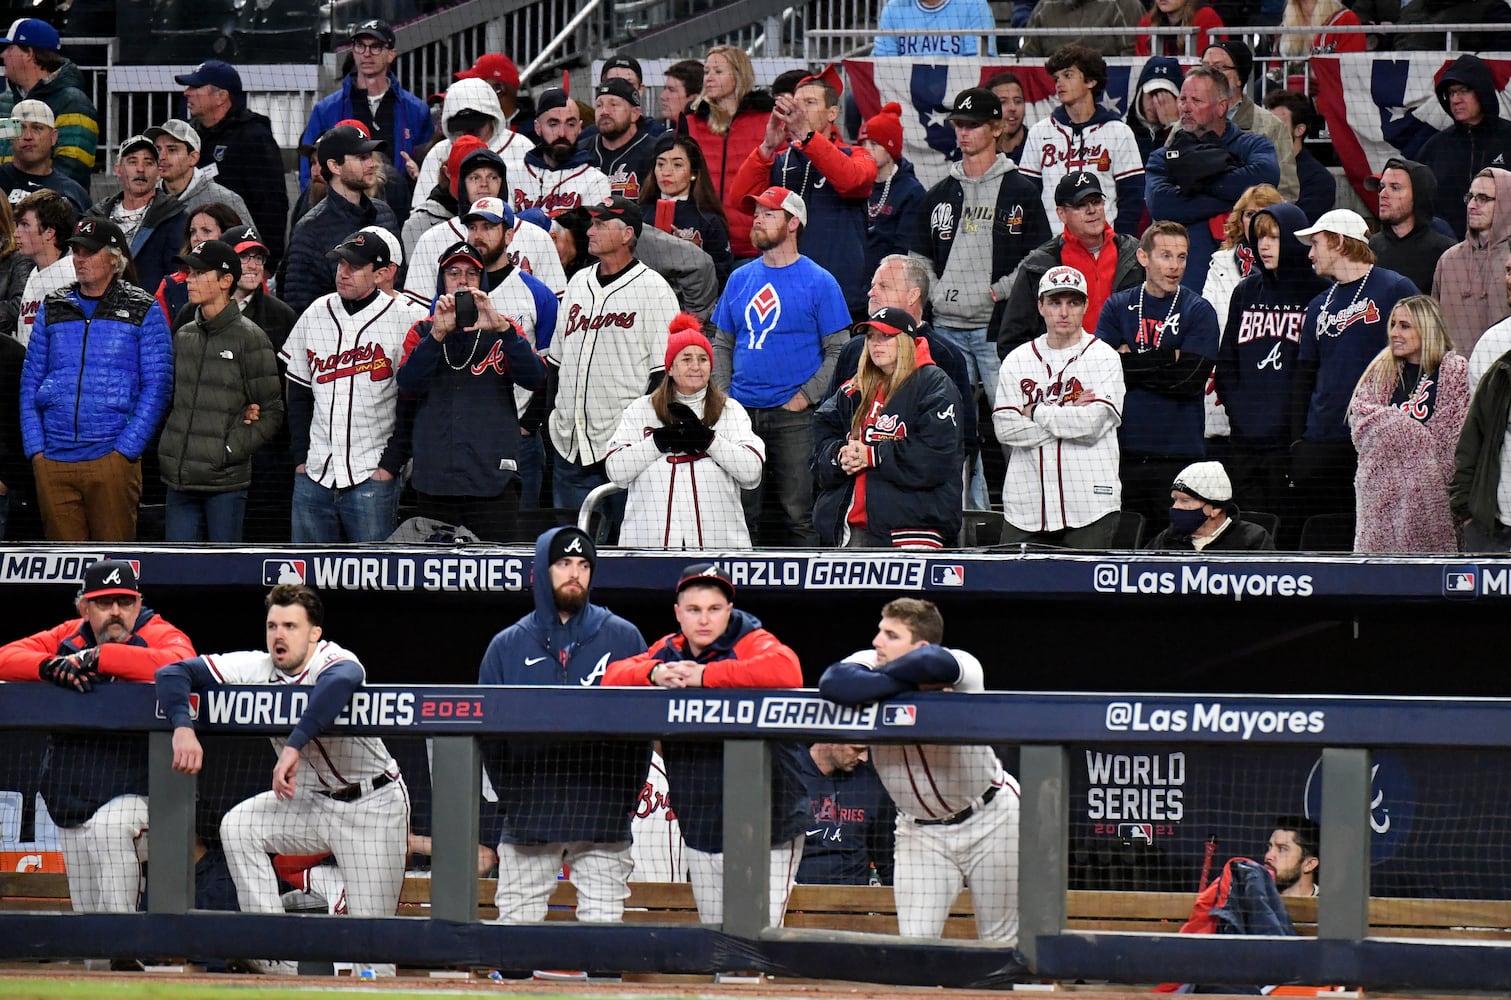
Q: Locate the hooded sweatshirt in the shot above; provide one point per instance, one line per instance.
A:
(472, 95)
(1416, 254)
(1257, 360)
(1460, 151)
(1470, 276)
(1103, 145)
(78, 122)
(579, 789)
(1151, 134)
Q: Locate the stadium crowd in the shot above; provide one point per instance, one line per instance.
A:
(497, 302)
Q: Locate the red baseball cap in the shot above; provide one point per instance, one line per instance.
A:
(779, 197)
(492, 66)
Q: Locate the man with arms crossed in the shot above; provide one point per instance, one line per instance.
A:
(957, 807)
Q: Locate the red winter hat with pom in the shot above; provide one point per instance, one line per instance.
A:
(459, 151)
(686, 331)
(885, 130)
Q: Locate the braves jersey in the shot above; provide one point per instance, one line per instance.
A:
(41, 283)
(1104, 146)
(934, 781)
(530, 249)
(556, 191)
(349, 362)
(1345, 328)
(1063, 470)
(658, 848)
(610, 339)
(779, 317)
(335, 761)
(511, 147)
(527, 301)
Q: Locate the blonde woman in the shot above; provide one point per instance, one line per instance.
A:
(1320, 14)
(727, 121)
(1405, 417)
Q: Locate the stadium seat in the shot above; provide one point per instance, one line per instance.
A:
(1269, 522)
(1130, 533)
(981, 527)
(1328, 533)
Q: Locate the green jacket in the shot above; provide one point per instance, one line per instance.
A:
(78, 121)
(1477, 468)
(220, 368)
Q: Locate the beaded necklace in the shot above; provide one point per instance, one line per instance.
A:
(1174, 301)
(1325, 319)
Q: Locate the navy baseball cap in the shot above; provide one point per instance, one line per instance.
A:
(212, 73)
(110, 576)
(33, 33)
(621, 208)
(95, 234)
(462, 250)
(620, 88)
(1076, 186)
(374, 28)
(706, 574)
(342, 141)
(363, 248)
(212, 255)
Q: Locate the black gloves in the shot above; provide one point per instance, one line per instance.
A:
(686, 434)
(76, 673)
(1194, 161)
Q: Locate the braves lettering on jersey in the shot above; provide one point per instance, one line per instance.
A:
(1104, 146)
(349, 362)
(556, 191)
(1063, 470)
(658, 847)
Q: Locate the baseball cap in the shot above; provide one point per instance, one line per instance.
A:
(1076, 187)
(706, 573)
(395, 248)
(1340, 221)
(342, 141)
(362, 248)
(374, 28)
(889, 320)
(243, 238)
(34, 111)
(779, 197)
(622, 62)
(1062, 279)
(1371, 183)
(462, 250)
(490, 210)
(95, 234)
(135, 143)
(620, 88)
(110, 576)
(175, 128)
(550, 100)
(34, 33)
(1207, 482)
(492, 66)
(976, 104)
(212, 255)
(621, 208)
(212, 73)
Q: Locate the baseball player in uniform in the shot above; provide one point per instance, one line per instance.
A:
(95, 784)
(350, 799)
(343, 399)
(957, 808)
(1058, 406)
(566, 802)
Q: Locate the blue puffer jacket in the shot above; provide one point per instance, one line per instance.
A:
(91, 386)
(412, 124)
(580, 789)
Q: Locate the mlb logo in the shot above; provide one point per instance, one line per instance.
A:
(1136, 831)
(276, 571)
(1462, 582)
(947, 575)
(899, 715)
(193, 707)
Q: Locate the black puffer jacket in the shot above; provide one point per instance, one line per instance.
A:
(1460, 151)
(15, 268)
(221, 366)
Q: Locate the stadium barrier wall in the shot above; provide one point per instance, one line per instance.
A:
(1345, 729)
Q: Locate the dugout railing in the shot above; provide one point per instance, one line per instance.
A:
(1043, 726)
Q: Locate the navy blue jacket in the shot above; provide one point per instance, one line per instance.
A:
(853, 819)
(945, 354)
(412, 125)
(893, 219)
(308, 274)
(835, 236)
(466, 428)
(554, 792)
(158, 239)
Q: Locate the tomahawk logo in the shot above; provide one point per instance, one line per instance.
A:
(761, 316)
(112, 579)
(574, 546)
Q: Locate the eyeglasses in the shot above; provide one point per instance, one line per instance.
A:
(1483, 199)
(368, 48)
(110, 601)
(462, 272)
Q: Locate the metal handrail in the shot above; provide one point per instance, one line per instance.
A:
(546, 53)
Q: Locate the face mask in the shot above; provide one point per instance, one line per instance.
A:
(1185, 522)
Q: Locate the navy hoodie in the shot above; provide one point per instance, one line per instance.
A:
(892, 215)
(1459, 152)
(1262, 337)
(582, 789)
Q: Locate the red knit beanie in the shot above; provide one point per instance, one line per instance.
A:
(886, 130)
(459, 150)
(686, 331)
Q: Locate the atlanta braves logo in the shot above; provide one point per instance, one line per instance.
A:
(1060, 391)
(1416, 407)
(652, 802)
(1348, 316)
(942, 221)
(761, 316)
(886, 427)
(494, 360)
(368, 359)
(551, 202)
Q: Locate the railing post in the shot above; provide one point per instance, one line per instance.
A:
(1043, 845)
(1343, 910)
(747, 837)
(170, 817)
(456, 780)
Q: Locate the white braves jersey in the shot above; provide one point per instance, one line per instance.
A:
(530, 249)
(513, 301)
(1063, 470)
(609, 341)
(930, 780)
(511, 147)
(555, 191)
(349, 363)
(657, 850)
(1054, 149)
(41, 283)
(335, 761)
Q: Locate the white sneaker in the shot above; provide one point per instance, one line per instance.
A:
(268, 967)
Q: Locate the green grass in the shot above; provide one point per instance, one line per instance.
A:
(89, 988)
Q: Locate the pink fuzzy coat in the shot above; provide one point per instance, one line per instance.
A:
(1401, 487)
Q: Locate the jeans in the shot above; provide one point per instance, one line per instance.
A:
(789, 476)
(366, 512)
(570, 485)
(492, 519)
(531, 467)
(982, 365)
(198, 516)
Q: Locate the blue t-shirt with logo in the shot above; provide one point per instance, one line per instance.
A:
(779, 317)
